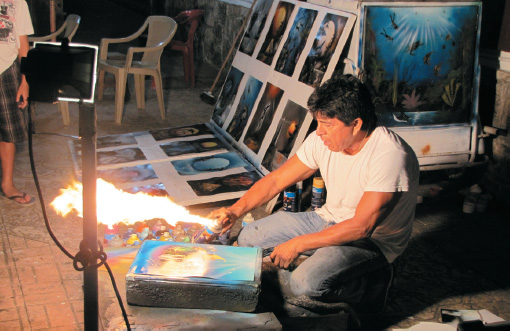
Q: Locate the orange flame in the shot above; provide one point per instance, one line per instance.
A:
(115, 206)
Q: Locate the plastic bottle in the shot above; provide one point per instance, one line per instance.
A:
(116, 241)
(317, 193)
(144, 233)
(247, 219)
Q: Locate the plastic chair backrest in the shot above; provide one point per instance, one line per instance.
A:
(191, 18)
(71, 26)
(161, 29)
(67, 30)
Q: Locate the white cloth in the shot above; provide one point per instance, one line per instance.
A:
(386, 163)
(15, 21)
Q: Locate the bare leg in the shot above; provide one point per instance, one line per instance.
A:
(7, 154)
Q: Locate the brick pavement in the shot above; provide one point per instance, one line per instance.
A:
(41, 288)
(454, 260)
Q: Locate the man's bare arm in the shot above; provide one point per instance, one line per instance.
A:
(23, 89)
(372, 208)
(264, 190)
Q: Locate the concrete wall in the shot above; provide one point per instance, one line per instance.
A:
(41, 12)
(496, 40)
(218, 30)
(498, 174)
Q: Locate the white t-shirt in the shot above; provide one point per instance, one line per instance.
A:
(15, 21)
(386, 163)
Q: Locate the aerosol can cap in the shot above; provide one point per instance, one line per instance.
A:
(248, 218)
(215, 226)
(318, 182)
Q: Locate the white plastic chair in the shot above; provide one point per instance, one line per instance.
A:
(161, 30)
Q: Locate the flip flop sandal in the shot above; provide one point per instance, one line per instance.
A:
(14, 197)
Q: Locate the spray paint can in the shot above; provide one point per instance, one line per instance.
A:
(161, 231)
(210, 232)
(142, 235)
(290, 199)
(109, 234)
(247, 219)
(299, 193)
(317, 193)
(116, 241)
(166, 237)
(133, 240)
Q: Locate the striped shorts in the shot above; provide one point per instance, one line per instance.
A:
(12, 118)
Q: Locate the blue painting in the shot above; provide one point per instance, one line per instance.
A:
(244, 108)
(227, 96)
(296, 41)
(179, 132)
(419, 62)
(157, 190)
(211, 163)
(263, 117)
(255, 27)
(196, 261)
(192, 146)
(137, 173)
(324, 46)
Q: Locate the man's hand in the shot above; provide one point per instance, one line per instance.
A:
(284, 254)
(22, 95)
(226, 216)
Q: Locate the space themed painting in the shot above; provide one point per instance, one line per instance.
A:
(255, 27)
(298, 35)
(276, 30)
(227, 96)
(325, 44)
(244, 108)
(264, 116)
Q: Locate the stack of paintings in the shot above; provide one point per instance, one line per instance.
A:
(288, 48)
(260, 119)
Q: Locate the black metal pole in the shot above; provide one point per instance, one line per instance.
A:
(88, 136)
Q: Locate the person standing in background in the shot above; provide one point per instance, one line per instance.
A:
(15, 26)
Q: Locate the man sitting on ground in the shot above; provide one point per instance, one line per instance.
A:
(371, 176)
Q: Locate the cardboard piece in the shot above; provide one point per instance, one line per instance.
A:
(180, 275)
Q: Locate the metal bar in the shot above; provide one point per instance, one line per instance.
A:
(88, 136)
(53, 18)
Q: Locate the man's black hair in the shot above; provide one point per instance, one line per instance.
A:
(344, 97)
